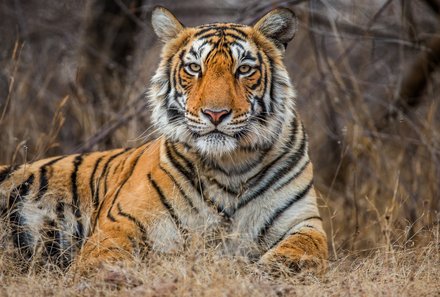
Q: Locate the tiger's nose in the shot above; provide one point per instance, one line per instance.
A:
(216, 116)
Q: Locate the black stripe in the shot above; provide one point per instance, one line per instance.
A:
(292, 138)
(174, 114)
(174, 82)
(275, 243)
(105, 168)
(285, 169)
(229, 34)
(272, 84)
(168, 83)
(21, 239)
(176, 70)
(44, 182)
(165, 202)
(188, 174)
(51, 239)
(193, 52)
(53, 242)
(185, 160)
(93, 192)
(204, 43)
(173, 75)
(224, 187)
(293, 177)
(275, 177)
(248, 55)
(179, 187)
(115, 169)
(218, 29)
(288, 147)
(234, 171)
(18, 193)
(6, 172)
(198, 185)
(211, 164)
(79, 234)
(279, 212)
(135, 221)
(220, 34)
(222, 211)
(260, 98)
(133, 167)
(107, 172)
(258, 82)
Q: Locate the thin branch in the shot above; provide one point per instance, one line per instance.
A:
(123, 117)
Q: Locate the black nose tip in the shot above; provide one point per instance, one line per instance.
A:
(216, 116)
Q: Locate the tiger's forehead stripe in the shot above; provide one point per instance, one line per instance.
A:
(200, 48)
(221, 29)
(242, 51)
(214, 40)
(221, 33)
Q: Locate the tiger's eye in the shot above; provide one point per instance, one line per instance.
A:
(194, 67)
(243, 69)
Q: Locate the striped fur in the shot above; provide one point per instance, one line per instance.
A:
(245, 180)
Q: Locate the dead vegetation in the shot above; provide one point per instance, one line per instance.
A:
(368, 91)
(385, 271)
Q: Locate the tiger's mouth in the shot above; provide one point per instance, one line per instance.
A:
(216, 133)
(216, 142)
(215, 136)
(218, 138)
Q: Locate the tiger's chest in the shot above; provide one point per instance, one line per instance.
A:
(223, 219)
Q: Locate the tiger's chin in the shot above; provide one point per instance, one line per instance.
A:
(215, 144)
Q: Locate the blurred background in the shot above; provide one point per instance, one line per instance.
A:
(73, 76)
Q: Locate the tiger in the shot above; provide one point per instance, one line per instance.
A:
(230, 162)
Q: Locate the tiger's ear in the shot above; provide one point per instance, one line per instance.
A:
(165, 24)
(279, 25)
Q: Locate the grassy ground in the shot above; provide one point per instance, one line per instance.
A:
(387, 271)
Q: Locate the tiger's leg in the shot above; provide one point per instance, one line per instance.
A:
(305, 248)
(119, 235)
(111, 242)
(101, 248)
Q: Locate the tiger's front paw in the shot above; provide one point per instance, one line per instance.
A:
(293, 263)
(304, 251)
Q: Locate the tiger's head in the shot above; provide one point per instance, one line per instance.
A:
(223, 86)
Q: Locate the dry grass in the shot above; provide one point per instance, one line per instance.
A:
(388, 271)
(376, 164)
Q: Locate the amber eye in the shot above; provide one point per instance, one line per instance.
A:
(194, 67)
(244, 69)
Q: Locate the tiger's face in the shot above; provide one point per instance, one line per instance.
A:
(223, 86)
